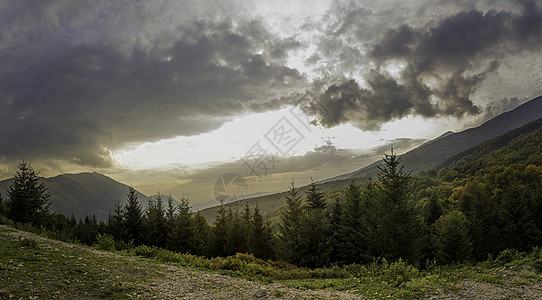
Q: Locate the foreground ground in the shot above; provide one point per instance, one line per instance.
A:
(34, 267)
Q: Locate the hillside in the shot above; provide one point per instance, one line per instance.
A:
(521, 145)
(448, 144)
(35, 267)
(83, 194)
(272, 204)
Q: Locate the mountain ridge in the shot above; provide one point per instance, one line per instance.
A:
(81, 194)
(446, 145)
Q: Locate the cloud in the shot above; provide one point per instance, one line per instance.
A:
(68, 94)
(431, 70)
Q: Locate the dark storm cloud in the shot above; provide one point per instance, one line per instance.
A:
(444, 63)
(75, 101)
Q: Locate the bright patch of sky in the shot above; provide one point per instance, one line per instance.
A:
(240, 137)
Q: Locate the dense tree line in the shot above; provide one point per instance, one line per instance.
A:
(450, 216)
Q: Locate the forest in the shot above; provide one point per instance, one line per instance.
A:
(466, 211)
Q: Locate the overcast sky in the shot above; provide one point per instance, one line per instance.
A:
(170, 95)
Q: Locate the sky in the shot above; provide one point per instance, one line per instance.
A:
(172, 96)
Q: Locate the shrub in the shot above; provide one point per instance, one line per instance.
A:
(537, 265)
(105, 242)
(6, 221)
(536, 253)
(146, 251)
(507, 256)
(399, 272)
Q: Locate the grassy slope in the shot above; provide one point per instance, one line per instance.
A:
(521, 145)
(33, 267)
(271, 205)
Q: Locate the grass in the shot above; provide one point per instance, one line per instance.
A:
(377, 280)
(36, 267)
(33, 271)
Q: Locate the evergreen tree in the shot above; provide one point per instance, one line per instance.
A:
(480, 208)
(219, 232)
(289, 226)
(261, 236)
(399, 226)
(315, 231)
(28, 200)
(352, 230)
(201, 235)
(315, 199)
(154, 223)
(516, 220)
(133, 216)
(336, 214)
(116, 224)
(452, 238)
(236, 234)
(314, 247)
(86, 230)
(3, 206)
(181, 234)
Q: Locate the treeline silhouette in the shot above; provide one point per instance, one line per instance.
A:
(454, 215)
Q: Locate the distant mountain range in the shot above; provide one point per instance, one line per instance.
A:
(431, 154)
(83, 194)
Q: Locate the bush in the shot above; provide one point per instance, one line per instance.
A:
(6, 221)
(537, 265)
(105, 242)
(507, 256)
(146, 251)
(536, 253)
(399, 272)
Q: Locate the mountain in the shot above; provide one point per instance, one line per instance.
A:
(83, 194)
(521, 145)
(448, 144)
(424, 157)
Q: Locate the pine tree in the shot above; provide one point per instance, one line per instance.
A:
(201, 235)
(28, 200)
(3, 206)
(133, 217)
(315, 231)
(86, 230)
(116, 224)
(352, 230)
(314, 247)
(399, 228)
(335, 220)
(182, 230)
(154, 223)
(219, 231)
(315, 199)
(236, 234)
(289, 226)
(516, 220)
(261, 236)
